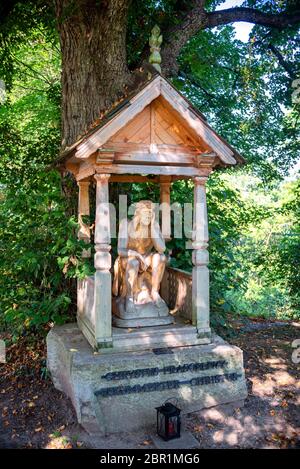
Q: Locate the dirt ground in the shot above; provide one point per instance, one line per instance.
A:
(35, 415)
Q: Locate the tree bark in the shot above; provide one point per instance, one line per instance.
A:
(94, 67)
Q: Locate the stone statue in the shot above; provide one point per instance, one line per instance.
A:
(139, 269)
(155, 44)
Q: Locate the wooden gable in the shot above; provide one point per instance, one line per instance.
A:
(156, 124)
(156, 128)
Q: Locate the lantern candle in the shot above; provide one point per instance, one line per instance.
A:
(168, 421)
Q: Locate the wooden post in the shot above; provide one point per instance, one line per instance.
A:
(102, 262)
(165, 182)
(200, 276)
(84, 209)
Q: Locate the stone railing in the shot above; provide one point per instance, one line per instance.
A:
(176, 290)
(85, 300)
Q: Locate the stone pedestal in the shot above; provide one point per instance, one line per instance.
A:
(118, 391)
(129, 314)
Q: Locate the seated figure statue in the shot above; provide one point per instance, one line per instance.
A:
(139, 269)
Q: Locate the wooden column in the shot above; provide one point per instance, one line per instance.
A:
(102, 262)
(165, 182)
(200, 276)
(84, 209)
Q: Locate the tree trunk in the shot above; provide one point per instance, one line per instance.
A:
(94, 67)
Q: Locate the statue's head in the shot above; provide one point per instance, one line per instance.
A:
(144, 211)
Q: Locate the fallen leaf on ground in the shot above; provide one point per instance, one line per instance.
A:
(146, 442)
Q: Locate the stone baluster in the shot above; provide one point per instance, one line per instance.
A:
(102, 262)
(84, 209)
(200, 257)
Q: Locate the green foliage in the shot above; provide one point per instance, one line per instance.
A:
(245, 94)
(283, 250)
(254, 244)
(267, 254)
(39, 251)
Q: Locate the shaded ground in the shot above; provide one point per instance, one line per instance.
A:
(35, 415)
(271, 415)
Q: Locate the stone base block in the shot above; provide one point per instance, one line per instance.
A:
(118, 392)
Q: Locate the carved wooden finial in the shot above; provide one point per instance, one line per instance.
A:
(155, 43)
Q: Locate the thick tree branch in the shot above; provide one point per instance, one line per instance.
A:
(198, 18)
(176, 38)
(250, 15)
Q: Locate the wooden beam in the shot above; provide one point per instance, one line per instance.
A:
(147, 169)
(84, 231)
(132, 178)
(124, 147)
(73, 168)
(156, 158)
(85, 172)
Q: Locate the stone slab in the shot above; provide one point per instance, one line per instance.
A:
(186, 441)
(177, 334)
(115, 392)
(142, 322)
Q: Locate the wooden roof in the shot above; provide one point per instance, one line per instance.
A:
(155, 88)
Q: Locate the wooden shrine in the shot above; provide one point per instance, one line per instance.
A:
(156, 132)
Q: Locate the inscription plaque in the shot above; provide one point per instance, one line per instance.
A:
(139, 373)
(161, 386)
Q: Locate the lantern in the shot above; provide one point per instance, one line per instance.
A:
(168, 421)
